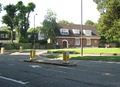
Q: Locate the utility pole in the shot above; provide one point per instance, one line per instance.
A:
(34, 32)
(81, 29)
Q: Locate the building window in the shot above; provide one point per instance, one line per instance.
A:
(87, 32)
(88, 41)
(76, 31)
(4, 35)
(77, 42)
(64, 31)
(29, 36)
(42, 36)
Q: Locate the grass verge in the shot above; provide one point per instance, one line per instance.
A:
(94, 58)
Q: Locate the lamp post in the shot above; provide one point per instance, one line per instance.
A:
(34, 32)
(81, 29)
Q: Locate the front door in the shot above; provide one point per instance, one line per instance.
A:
(64, 44)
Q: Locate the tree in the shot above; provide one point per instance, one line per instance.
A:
(109, 22)
(65, 22)
(49, 24)
(5, 28)
(89, 22)
(23, 18)
(37, 29)
(0, 7)
(9, 17)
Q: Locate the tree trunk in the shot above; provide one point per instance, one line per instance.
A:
(12, 36)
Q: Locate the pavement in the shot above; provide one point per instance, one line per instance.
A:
(41, 58)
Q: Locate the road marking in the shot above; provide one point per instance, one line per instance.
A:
(13, 80)
(35, 66)
(11, 64)
(55, 70)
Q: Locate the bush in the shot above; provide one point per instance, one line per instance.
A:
(22, 40)
(42, 42)
(9, 46)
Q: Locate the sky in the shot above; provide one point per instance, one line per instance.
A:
(69, 10)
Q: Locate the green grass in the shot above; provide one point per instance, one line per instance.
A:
(98, 58)
(94, 58)
(91, 50)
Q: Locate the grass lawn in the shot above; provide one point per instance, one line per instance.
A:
(89, 51)
(95, 58)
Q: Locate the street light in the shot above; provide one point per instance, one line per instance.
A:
(81, 29)
(34, 31)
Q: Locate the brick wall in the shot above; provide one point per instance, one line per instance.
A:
(71, 42)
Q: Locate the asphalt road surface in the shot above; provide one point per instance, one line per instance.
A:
(16, 73)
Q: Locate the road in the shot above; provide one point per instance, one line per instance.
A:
(16, 73)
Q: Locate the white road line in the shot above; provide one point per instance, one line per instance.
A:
(35, 66)
(13, 80)
(55, 70)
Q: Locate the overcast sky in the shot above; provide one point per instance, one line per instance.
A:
(69, 10)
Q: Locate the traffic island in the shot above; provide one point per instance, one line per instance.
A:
(61, 62)
(52, 62)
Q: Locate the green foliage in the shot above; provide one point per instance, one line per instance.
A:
(42, 42)
(65, 22)
(17, 17)
(0, 7)
(5, 28)
(89, 22)
(23, 17)
(109, 22)
(22, 40)
(31, 30)
(49, 24)
(9, 17)
(37, 29)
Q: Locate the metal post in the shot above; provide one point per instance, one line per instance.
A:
(81, 29)
(34, 32)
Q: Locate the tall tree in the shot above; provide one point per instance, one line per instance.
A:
(49, 24)
(9, 17)
(17, 17)
(65, 22)
(23, 18)
(109, 22)
(89, 22)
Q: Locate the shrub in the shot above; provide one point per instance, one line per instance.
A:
(22, 40)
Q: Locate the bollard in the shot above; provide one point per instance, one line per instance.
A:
(2, 50)
(32, 54)
(21, 49)
(66, 57)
